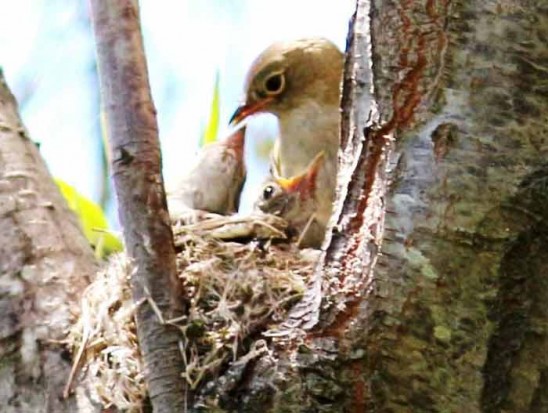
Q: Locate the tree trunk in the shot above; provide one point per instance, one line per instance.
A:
(463, 274)
(444, 168)
(45, 264)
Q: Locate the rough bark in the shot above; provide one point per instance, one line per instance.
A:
(136, 165)
(464, 320)
(444, 143)
(45, 264)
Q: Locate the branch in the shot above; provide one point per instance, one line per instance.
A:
(133, 135)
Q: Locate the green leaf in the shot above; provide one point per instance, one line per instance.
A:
(210, 134)
(92, 219)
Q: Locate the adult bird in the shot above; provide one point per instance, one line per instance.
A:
(299, 82)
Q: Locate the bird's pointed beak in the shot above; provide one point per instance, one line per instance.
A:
(247, 109)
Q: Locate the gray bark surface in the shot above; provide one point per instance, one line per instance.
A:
(45, 264)
(464, 275)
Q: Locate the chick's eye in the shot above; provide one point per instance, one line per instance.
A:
(268, 191)
(274, 84)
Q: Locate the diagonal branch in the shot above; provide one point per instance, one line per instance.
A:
(133, 136)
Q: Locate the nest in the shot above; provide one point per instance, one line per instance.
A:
(236, 291)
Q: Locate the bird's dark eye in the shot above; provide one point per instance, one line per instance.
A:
(274, 84)
(268, 191)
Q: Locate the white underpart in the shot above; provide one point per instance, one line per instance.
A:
(305, 131)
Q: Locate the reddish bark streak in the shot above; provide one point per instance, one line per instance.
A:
(338, 327)
(406, 98)
(380, 140)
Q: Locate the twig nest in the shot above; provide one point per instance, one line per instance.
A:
(236, 291)
(104, 339)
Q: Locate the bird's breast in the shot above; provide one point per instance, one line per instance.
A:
(305, 131)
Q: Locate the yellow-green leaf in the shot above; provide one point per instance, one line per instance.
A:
(210, 133)
(92, 219)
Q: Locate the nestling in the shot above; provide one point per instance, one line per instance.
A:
(215, 182)
(295, 200)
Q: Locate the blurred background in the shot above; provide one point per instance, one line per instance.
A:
(48, 57)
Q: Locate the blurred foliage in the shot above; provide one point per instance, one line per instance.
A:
(212, 127)
(93, 221)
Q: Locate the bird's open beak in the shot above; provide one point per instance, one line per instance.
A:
(236, 141)
(305, 182)
(247, 109)
(290, 184)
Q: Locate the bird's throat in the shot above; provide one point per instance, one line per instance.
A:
(305, 131)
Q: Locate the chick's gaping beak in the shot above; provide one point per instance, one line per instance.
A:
(247, 109)
(304, 183)
(289, 184)
(236, 142)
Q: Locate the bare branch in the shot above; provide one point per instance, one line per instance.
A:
(133, 135)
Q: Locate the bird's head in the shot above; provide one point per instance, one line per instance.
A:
(287, 197)
(286, 74)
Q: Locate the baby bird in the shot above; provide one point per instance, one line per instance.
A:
(295, 200)
(215, 182)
